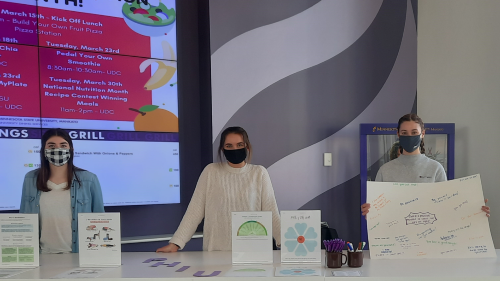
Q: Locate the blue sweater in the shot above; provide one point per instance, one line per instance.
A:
(85, 198)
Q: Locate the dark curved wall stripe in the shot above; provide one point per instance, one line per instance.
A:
(340, 207)
(232, 18)
(311, 105)
(414, 7)
(414, 108)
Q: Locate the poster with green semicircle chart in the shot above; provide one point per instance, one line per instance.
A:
(252, 239)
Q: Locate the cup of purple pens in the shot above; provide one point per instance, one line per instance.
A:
(333, 253)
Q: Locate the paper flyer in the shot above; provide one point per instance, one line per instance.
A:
(99, 239)
(340, 273)
(428, 220)
(250, 271)
(252, 238)
(19, 240)
(301, 236)
(83, 273)
(7, 273)
(298, 271)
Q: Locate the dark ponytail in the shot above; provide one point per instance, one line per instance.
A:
(422, 148)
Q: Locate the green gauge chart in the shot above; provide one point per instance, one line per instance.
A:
(252, 228)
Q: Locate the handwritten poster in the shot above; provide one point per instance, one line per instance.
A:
(301, 236)
(428, 220)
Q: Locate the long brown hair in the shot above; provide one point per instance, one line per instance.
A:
(44, 170)
(234, 130)
(413, 117)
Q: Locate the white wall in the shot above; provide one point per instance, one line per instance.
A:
(459, 82)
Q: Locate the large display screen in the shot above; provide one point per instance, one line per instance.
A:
(104, 70)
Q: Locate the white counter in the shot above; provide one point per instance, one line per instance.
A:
(134, 268)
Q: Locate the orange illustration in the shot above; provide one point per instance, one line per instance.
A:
(154, 119)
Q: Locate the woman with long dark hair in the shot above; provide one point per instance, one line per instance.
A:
(58, 191)
(412, 166)
(229, 186)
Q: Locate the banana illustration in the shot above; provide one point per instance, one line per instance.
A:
(166, 69)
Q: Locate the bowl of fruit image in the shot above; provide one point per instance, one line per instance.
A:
(147, 19)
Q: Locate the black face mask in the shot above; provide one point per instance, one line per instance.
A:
(410, 143)
(236, 156)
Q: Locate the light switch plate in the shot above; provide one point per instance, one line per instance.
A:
(327, 159)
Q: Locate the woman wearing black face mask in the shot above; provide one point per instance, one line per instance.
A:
(412, 166)
(225, 187)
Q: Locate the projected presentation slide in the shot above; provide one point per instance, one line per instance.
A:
(134, 168)
(105, 70)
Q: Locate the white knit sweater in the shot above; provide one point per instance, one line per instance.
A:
(222, 189)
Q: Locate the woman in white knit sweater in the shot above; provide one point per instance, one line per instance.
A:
(229, 186)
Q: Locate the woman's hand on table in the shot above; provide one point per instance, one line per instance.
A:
(170, 248)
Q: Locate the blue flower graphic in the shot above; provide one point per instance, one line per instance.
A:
(301, 241)
(296, 271)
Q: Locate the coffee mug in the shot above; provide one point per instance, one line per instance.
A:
(334, 260)
(355, 259)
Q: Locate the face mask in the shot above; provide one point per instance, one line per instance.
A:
(236, 156)
(57, 156)
(410, 143)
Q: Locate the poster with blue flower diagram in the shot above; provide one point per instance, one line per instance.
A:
(301, 236)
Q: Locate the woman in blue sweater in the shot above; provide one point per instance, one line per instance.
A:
(57, 192)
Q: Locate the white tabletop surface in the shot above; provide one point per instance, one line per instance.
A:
(133, 267)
